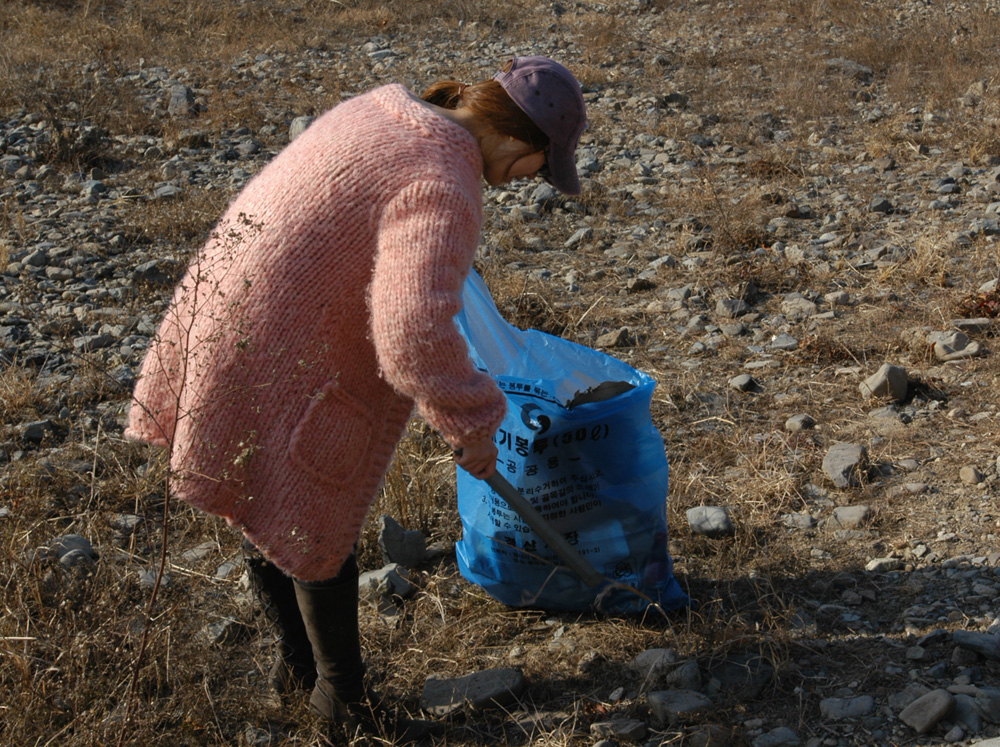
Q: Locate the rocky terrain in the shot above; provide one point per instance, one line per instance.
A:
(790, 219)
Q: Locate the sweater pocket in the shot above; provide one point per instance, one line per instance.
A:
(332, 440)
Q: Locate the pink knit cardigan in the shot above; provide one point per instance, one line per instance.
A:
(315, 317)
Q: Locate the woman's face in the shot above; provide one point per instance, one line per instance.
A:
(511, 159)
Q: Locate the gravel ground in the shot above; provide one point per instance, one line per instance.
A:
(763, 262)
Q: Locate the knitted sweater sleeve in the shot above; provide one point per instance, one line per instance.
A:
(427, 240)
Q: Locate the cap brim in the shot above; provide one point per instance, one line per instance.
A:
(562, 171)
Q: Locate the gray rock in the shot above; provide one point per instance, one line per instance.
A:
(899, 701)
(783, 342)
(298, 126)
(182, 103)
(844, 464)
(578, 237)
(227, 569)
(72, 543)
(849, 517)
(155, 272)
(797, 307)
(801, 422)
(780, 737)
(166, 191)
(620, 338)
(200, 552)
(667, 707)
(36, 431)
(850, 68)
(443, 696)
(798, 521)
(890, 413)
(984, 644)
(399, 545)
(628, 730)
(685, 677)
(654, 662)
(224, 630)
(544, 193)
(889, 381)
(987, 702)
(744, 383)
(880, 205)
(732, 308)
(710, 521)
(971, 475)
(841, 709)
(965, 713)
(708, 735)
(743, 674)
(390, 581)
(926, 711)
(92, 189)
(147, 579)
(883, 565)
(953, 345)
(979, 325)
(76, 559)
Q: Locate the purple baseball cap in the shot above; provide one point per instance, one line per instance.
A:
(549, 94)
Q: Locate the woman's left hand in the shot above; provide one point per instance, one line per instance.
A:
(479, 459)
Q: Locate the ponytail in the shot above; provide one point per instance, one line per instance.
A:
(489, 101)
(445, 93)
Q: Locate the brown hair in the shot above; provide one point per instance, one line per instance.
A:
(489, 102)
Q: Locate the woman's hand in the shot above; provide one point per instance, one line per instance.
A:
(479, 459)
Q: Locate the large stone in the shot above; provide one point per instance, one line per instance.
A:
(926, 711)
(780, 737)
(670, 706)
(845, 464)
(72, 543)
(984, 644)
(386, 583)
(744, 674)
(883, 565)
(654, 662)
(624, 729)
(407, 547)
(987, 704)
(849, 517)
(801, 422)
(493, 687)
(731, 308)
(966, 713)
(744, 383)
(710, 521)
(971, 476)
(36, 431)
(685, 677)
(888, 382)
(298, 126)
(798, 307)
(181, 102)
(840, 709)
(953, 345)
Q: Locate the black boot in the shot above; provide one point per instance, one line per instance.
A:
(293, 666)
(330, 611)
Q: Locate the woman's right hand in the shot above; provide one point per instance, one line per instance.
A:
(479, 459)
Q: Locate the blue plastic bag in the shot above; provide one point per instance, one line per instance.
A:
(579, 443)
